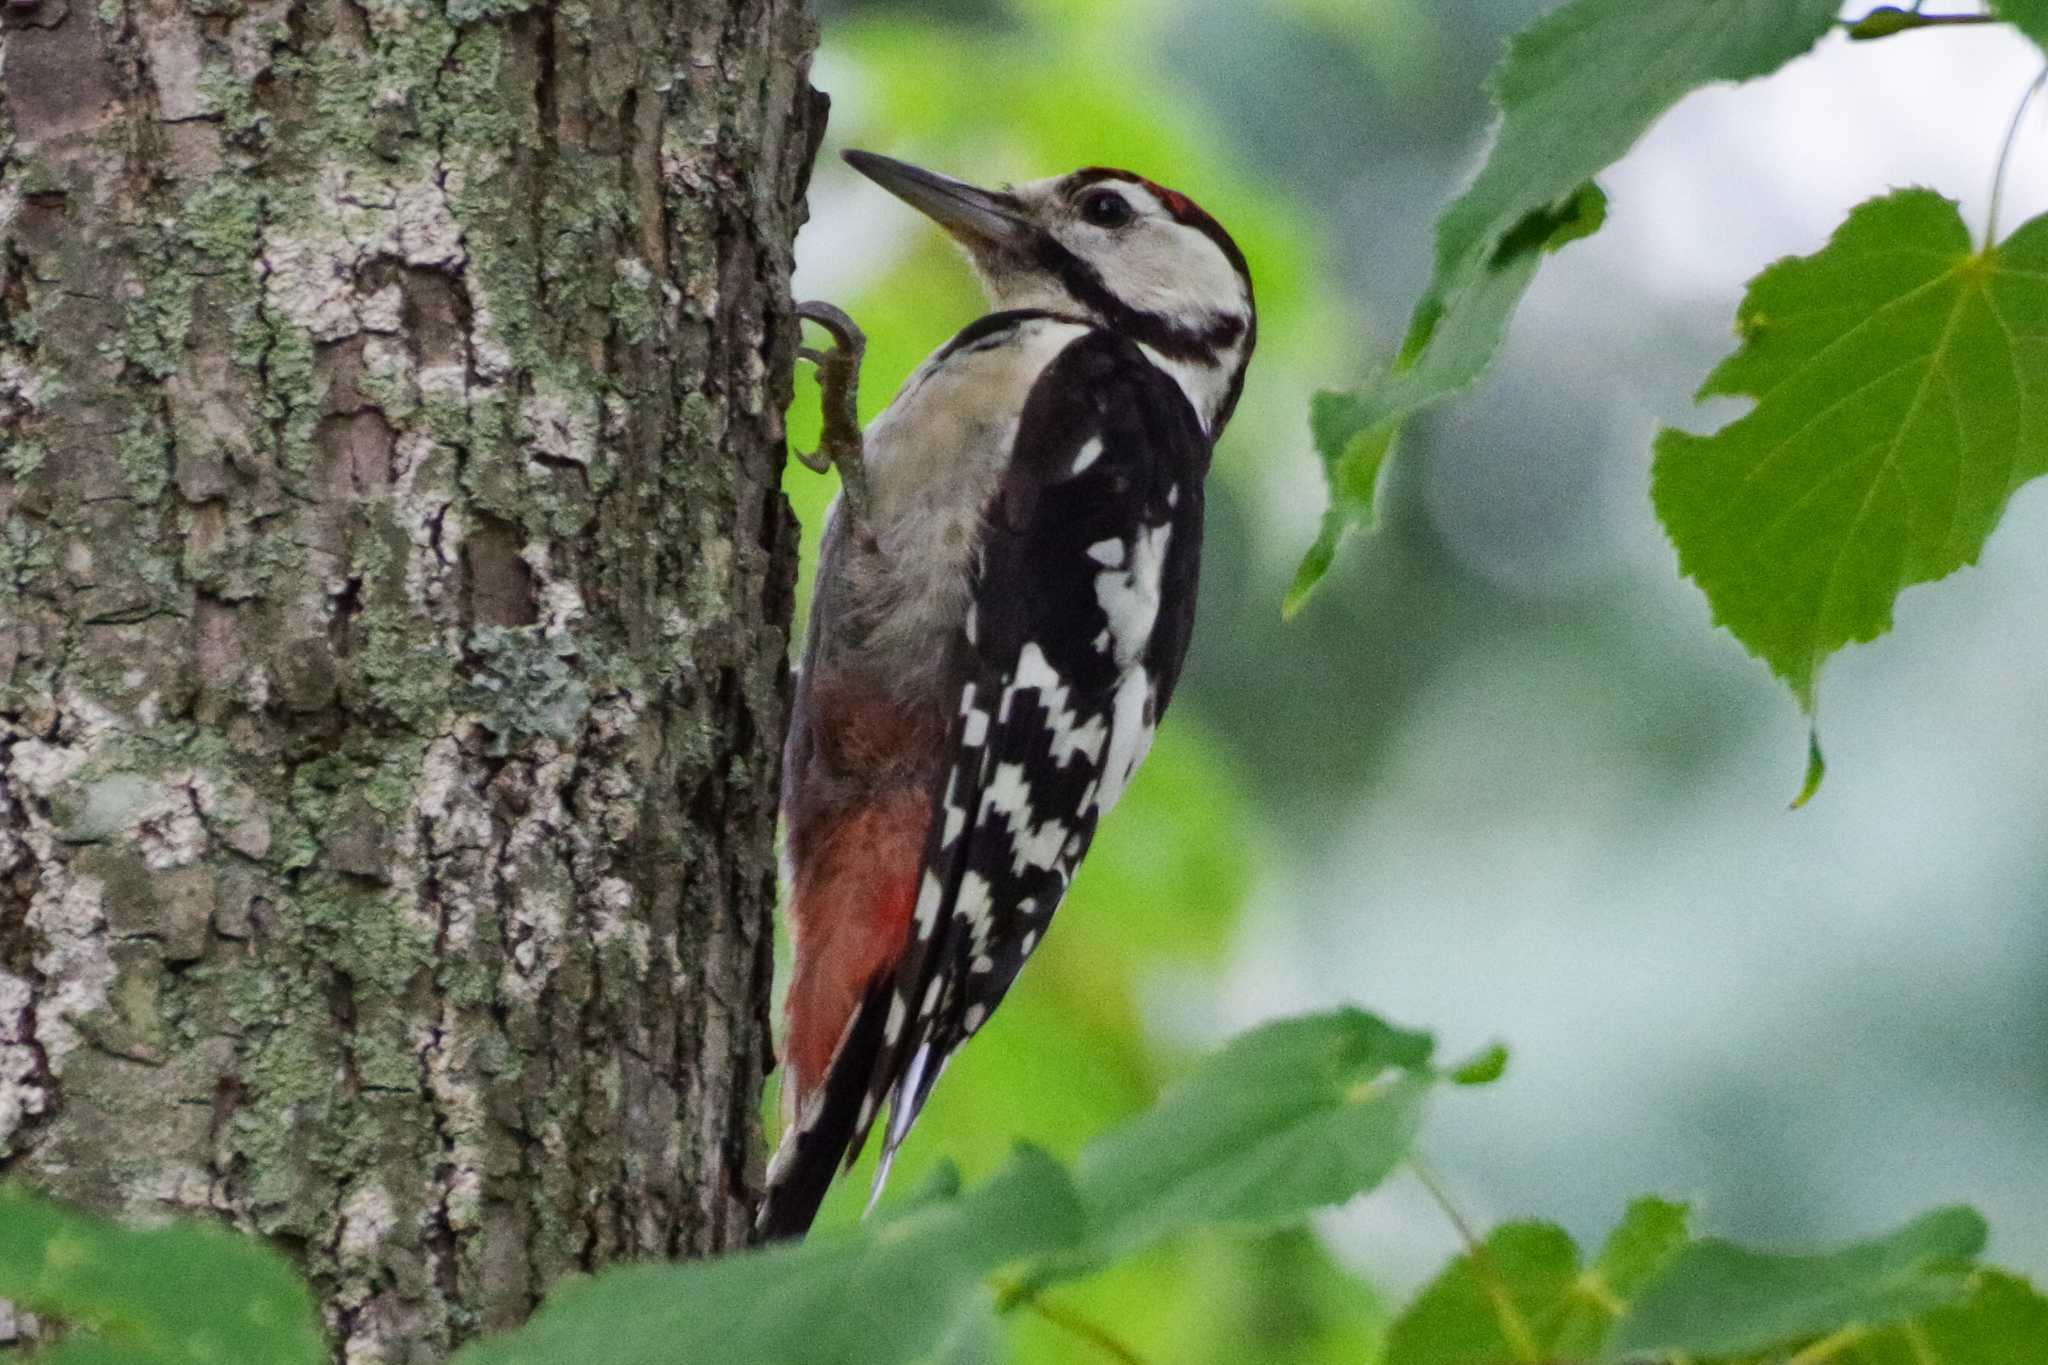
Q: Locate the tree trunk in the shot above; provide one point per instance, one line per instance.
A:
(394, 601)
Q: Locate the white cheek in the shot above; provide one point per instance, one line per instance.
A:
(1171, 270)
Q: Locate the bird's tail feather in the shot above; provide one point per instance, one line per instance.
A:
(829, 1126)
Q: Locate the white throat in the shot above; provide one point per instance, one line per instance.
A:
(1207, 386)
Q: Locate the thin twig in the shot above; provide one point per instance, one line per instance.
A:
(1513, 1325)
(1888, 20)
(2012, 133)
(1086, 1329)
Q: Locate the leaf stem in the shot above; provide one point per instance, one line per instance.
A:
(1888, 20)
(1467, 1234)
(1827, 1348)
(1513, 1325)
(1010, 1296)
(2012, 134)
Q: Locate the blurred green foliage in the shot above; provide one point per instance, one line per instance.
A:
(1295, 1115)
(186, 1294)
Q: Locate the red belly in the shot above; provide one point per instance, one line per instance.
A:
(850, 915)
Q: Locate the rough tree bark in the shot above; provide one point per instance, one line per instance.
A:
(394, 599)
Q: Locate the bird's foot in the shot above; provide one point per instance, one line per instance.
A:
(839, 442)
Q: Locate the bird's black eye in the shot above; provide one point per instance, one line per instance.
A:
(1106, 208)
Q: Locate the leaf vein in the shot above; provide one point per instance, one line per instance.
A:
(1887, 468)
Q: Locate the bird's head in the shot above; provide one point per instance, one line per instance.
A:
(1113, 247)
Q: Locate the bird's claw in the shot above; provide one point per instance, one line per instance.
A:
(839, 441)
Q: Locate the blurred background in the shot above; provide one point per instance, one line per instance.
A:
(1501, 779)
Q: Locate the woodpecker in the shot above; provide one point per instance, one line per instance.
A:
(1002, 604)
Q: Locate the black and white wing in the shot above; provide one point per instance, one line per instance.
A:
(1083, 602)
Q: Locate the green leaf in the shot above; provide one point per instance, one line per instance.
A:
(2002, 1322)
(1524, 1295)
(1899, 377)
(2028, 16)
(1576, 91)
(1484, 1068)
(1447, 349)
(891, 1290)
(1286, 1118)
(1354, 452)
(1715, 1299)
(940, 1185)
(1652, 1293)
(1816, 769)
(187, 1292)
(1499, 1304)
(1649, 1235)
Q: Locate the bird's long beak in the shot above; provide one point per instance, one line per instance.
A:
(977, 217)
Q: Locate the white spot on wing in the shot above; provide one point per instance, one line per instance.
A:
(1070, 733)
(1130, 735)
(1130, 597)
(928, 897)
(1031, 845)
(974, 905)
(1088, 454)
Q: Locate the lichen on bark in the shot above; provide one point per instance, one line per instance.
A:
(394, 597)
